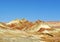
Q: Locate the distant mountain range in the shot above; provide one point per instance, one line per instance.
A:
(26, 25)
(54, 24)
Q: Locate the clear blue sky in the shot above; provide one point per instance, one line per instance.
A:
(45, 10)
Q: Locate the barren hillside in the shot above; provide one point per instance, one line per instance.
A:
(26, 31)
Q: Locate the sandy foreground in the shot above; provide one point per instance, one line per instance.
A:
(21, 36)
(18, 36)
